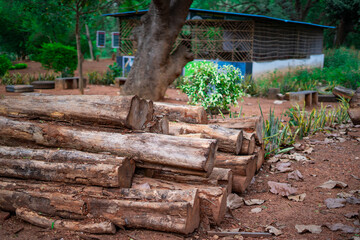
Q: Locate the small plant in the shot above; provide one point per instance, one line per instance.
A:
(58, 57)
(5, 64)
(110, 75)
(216, 89)
(18, 66)
(94, 77)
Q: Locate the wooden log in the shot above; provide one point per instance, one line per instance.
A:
(66, 166)
(239, 165)
(229, 140)
(354, 110)
(248, 124)
(193, 135)
(243, 168)
(162, 210)
(260, 155)
(212, 199)
(248, 144)
(219, 177)
(99, 227)
(343, 92)
(122, 111)
(182, 113)
(159, 124)
(195, 155)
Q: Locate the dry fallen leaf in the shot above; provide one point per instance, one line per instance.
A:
(254, 202)
(282, 189)
(331, 184)
(295, 175)
(335, 202)
(297, 198)
(256, 210)
(344, 195)
(352, 215)
(308, 228)
(234, 201)
(308, 150)
(342, 227)
(273, 230)
(353, 200)
(283, 166)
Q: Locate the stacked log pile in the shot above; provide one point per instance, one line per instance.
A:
(90, 163)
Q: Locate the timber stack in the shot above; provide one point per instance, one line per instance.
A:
(91, 163)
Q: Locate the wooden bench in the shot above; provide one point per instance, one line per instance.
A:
(68, 83)
(120, 81)
(309, 97)
(19, 88)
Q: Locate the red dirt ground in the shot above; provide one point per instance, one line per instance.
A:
(335, 161)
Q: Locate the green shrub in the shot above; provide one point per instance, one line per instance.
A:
(58, 57)
(5, 64)
(216, 89)
(112, 72)
(18, 66)
(94, 78)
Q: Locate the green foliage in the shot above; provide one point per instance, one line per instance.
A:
(58, 57)
(111, 73)
(5, 64)
(18, 66)
(18, 78)
(214, 88)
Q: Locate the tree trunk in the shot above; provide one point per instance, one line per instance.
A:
(99, 227)
(230, 140)
(79, 54)
(212, 199)
(156, 65)
(354, 110)
(159, 150)
(260, 153)
(162, 210)
(126, 111)
(181, 113)
(159, 124)
(90, 43)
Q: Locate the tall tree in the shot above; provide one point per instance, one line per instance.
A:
(82, 8)
(156, 63)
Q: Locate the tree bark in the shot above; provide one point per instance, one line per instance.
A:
(162, 210)
(89, 42)
(196, 155)
(229, 140)
(354, 110)
(128, 111)
(159, 124)
(181, 113)
(260, 154)
(212, 199)
(99, 227)
(250, 124)
(156, 65)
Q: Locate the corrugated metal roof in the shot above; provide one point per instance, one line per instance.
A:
(193, 10)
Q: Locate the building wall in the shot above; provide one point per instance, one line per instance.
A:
(261, 69)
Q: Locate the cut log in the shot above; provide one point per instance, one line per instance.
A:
(249, 124)
(239, 165)
(354, 110)
(243, 168)
(248, 144)
(100, 227)
(260, 155)
(212, 199)
(177, 153)
(182, 113)
(193, 135)
(159, 124)
(66, 166)
(163, 210)
(343, 92)
(122, 111)
(219, 177)
(229, 140)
